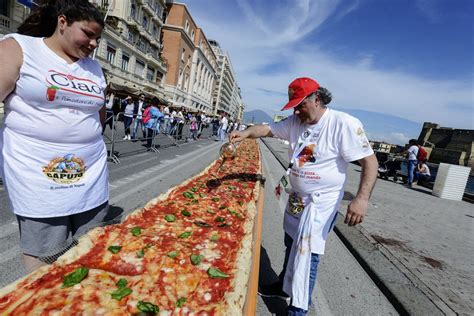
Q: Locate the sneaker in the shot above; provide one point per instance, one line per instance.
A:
(125, 137)
(128, 137)
(273, 290)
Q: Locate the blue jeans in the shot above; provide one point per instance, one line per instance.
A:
(222, 134)
(294, 311)
(411, 170)
(138, 121)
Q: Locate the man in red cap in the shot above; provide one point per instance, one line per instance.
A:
(322, 143)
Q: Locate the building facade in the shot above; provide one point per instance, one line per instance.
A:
(12, 14)
(191, 61)
(449, 145)
(130, 47)
(227, 96)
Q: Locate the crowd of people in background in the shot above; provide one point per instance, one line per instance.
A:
(136, 115)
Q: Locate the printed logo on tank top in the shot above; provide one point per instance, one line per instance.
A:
(65, 170)
(68, 88)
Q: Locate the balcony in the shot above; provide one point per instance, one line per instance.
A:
(132, 21)
(5, 22)
(148, 8)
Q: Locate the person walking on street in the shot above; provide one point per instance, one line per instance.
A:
(322, 143)
(411, 154)
(223, 124)
(137, 116)
(128, 108)
(53, 159)
(151, 117)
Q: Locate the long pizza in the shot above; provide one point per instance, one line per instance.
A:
(186, 252)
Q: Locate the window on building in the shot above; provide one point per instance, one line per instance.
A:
(159, 77)
(192, 35)
(139, 67)
(150, 74)
(131, 37)
(133, 11)
(111, 54)
(4, 6)
(180, 78)
(182, 54)
(125, 61)
(145, 22)
(158, 9)
(154, 31)
(186, 27)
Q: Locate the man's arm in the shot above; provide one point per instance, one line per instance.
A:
(357, 209)
(255, 131)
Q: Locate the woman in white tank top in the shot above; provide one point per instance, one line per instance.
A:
(53, 159)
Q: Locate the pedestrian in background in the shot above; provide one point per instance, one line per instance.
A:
(223, 125)
(422, 172)
(411, 154)
(137, 116)
(322, 143)
(128, 108)
(151, 117)
(53, 159)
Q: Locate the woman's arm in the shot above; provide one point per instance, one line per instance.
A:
(11, 59)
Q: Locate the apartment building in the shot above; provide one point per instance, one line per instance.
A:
(191, 61)
(130, 47)
(227, 96)
(12, 14)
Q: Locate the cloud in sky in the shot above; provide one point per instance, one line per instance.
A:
(272, 42)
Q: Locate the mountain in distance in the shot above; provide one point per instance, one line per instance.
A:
(384, 127)
(378, 126)
(257, 117)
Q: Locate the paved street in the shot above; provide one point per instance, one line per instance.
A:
(343, 286)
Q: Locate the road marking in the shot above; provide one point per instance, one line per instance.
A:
(10, 254)
(195, 154)
(8, 229)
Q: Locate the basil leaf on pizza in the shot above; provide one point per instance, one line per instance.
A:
(172, 254)
(114, 249)
(180, 302)
(185, 212)
(136, 231)
(148, 307)
(188, 195)
(216, 273)
(185, 235)
(122, 282)
(121, 293)
(170, 218)
(75, 277)
(196, 259)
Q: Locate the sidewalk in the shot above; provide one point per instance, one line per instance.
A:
(417, 245)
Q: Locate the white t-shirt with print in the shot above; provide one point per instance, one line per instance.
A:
(53, 159)
(321, 166)
(412, 152)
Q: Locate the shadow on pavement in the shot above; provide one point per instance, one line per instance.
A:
(266, 276)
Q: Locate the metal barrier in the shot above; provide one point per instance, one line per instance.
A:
(112, 140)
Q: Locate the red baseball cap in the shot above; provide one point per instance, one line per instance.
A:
(298, 90)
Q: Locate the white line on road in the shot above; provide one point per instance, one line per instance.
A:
(178, 165)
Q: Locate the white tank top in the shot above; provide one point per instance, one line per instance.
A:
(53, 158)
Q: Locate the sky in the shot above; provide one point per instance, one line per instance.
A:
(411, 59)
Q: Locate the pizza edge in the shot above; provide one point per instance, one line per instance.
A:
(235, 300)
